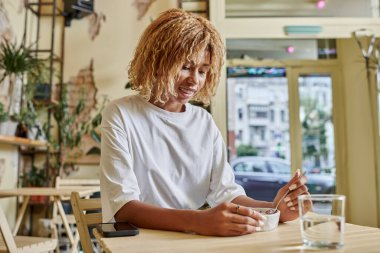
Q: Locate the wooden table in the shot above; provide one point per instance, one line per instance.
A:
(55, 193)
(286, 238)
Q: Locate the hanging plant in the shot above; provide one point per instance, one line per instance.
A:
(16, 59)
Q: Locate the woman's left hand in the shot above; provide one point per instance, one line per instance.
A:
(289, 205)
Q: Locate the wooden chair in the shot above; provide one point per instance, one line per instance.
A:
(86, 217)
(10, 243)
(57, 220)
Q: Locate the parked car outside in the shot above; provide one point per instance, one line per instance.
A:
(262, 177)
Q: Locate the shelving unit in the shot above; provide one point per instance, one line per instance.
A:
(51, 49)
(53, 10)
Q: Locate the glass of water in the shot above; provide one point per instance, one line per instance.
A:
(322, 220)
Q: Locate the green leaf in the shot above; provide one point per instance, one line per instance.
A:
(95, 136)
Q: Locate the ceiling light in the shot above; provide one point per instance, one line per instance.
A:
(290, 49)
(321, 4)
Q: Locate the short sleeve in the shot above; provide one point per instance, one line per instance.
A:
(118, 183)
(223, 187)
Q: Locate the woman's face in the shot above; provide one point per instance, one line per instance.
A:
(191, 79)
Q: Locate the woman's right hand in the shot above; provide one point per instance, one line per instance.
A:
(228, 219)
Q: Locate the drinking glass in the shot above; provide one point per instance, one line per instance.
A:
(322, 220)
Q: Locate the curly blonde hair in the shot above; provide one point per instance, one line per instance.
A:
(172, 39)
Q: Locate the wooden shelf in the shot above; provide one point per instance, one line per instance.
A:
(22, 141)
(27, 150)
(86, 160)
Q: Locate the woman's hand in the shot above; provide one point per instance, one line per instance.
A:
(228, 219)
(289, 204)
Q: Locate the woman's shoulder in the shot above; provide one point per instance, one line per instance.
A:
(118, 111)
(124, 102)
(200, 111)
(203, 117)
(204, 120)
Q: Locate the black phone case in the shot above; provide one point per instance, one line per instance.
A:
(131, 231)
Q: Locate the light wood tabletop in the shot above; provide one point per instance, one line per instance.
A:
(56, 194)
(286, 238)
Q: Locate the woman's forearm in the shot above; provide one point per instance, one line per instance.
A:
(221, 220)
(153, 217)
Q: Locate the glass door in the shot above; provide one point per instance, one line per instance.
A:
(315, 148)
(258, 128)
(280, 118)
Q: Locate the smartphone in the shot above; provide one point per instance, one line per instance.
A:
(116, 229)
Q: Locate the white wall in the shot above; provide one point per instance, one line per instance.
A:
(360, 171)
(113, 49)
(9, 180)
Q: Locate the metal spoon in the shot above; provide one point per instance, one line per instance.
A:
(274, 210)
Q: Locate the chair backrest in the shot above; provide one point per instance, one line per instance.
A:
(73, 182)
(85, 217)
(70, 182)
(6, 236)
(66, 183)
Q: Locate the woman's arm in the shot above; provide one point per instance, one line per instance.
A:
(226, 219)
(154, 217)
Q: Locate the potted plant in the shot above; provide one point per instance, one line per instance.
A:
(15, 61)
(36, 177)
(38, 87)
(27, 121)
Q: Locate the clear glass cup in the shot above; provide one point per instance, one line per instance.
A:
(322, 220)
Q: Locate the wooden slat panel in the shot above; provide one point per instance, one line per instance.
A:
(78, 182)
(93, 218)
(91, 204)
(84, 220)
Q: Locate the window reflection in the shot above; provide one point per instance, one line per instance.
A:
(258, 123)
(317, 124)
(258, 130)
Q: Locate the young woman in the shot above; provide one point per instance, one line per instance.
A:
(163, 158)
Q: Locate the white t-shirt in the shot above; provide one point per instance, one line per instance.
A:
(172, 160)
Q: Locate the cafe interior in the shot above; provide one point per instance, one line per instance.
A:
(299, 89)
